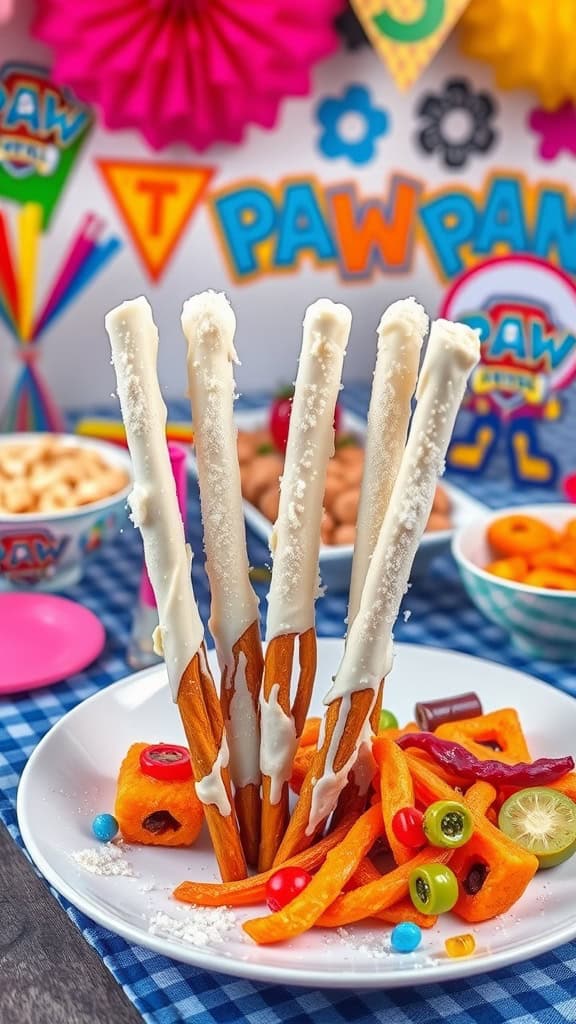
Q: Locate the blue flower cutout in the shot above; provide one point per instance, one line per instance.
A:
(351, 125)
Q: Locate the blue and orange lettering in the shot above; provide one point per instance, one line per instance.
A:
(502, 221)
(302, 227)
(248, 217)
(450, 222)
(555, 229)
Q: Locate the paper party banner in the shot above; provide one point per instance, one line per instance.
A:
(406, 34)
(42, 128)
(155, 201)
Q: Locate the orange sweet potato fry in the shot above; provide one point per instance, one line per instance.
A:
(481, 795)
(341, 862)
(395, 734)
(403, 910)
(300, 765)
(396, 790)
(502, 727)
(310, 732)
(502, 868)
(450, 778)
(385, 892)
(566, 785)
(249, 891)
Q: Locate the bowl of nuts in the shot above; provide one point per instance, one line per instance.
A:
(261, 464)
(61, 498)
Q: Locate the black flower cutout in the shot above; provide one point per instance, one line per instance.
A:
(457, 122)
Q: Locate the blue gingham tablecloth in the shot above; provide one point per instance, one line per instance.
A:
(164, 991)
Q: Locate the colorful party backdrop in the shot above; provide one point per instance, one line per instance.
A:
(452, 190)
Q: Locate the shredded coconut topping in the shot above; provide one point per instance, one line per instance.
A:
(296, 543)
(154, 503)
(400, 335)
(209, 323)
(452, 353)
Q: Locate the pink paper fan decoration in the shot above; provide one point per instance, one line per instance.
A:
(6, 10)
(195, 71)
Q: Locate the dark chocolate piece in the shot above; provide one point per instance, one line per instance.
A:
(475, 879)
(432, 713)
(160, 822)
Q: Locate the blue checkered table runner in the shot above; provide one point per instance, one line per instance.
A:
(164, 991)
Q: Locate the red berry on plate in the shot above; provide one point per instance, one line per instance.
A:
(407, 826)
(284, 885)
(279, 421)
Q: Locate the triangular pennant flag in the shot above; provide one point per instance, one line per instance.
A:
(155, 201)
(406, 34)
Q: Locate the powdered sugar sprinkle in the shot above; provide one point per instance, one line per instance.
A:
(199, 926)
(104, 860)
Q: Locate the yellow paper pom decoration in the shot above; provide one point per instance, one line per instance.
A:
(527, 42)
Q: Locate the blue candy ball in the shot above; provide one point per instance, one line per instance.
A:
(406, 937)
(105, 827)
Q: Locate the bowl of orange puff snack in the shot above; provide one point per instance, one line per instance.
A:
(518, 566)
(61, 498)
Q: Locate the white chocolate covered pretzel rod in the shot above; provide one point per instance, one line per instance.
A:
(154, 505)
(401, 332)
(295, 545)
(453, 350)
(209, 324)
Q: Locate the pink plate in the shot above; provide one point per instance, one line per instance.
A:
(44, 639)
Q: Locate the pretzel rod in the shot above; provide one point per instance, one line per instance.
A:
(296, 546)
(400, 335)
(353, 798)
(283, 729)
(453, 350)
(154, 508)
(209, 324)
(203, 723)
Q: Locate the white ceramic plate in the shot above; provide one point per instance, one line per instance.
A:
(336, 562)
(71, 776)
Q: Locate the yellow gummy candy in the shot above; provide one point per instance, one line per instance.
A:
(460, 945)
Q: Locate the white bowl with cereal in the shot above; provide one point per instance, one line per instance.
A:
(61, 498)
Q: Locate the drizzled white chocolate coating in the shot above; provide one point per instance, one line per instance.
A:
(243, 730)
(209, 324)
(327, 789)
(296, 536)
(211, 789)
(134, 341)
(400, 335)
(453, 350)
(278, 745)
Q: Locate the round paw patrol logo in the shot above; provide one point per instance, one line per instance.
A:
(525, 311)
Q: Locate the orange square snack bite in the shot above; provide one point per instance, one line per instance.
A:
(157, 811)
